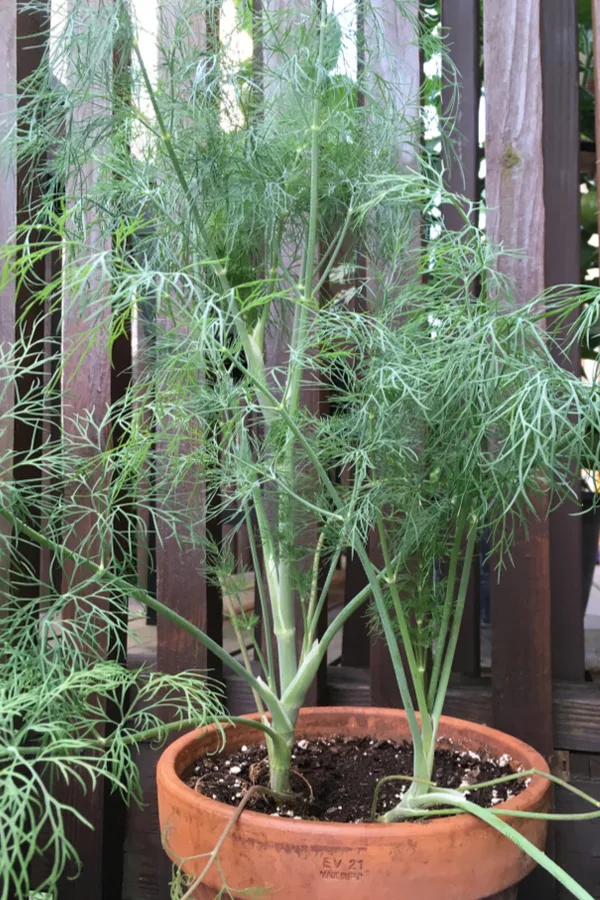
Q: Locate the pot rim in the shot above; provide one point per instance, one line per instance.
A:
(532, 798)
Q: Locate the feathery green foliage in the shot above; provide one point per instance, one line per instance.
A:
(227, 210)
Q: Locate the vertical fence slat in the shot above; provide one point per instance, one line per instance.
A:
(596, 29)
(520, 604)
(181, 582)
(356, 641)
(521, 647)
(87, 388)
(181, 585)
(26, 435)
(8, 192)
(562, 266)
(401, 67)
(356, 648)
(461, 21)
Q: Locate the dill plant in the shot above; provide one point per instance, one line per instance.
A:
(225, 200)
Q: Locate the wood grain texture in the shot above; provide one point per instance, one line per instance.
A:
(356, 649)
(8, 194)
(143, 850)
(390, 28)
(181, 582)
(562, 266)
(467, 659)
(34, 324)
(521, 647)
(180, 577)
(181, 585)
(575, 707)
(596, 29)
(461, 24)
(87, 391)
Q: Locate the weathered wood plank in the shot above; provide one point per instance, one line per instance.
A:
(355, 639)
(521, 647)
(180, 579)
(461, 24)
(400, 65)
(8, 198)
(596, 29)
(575, 710)
(143, 851)
(181, 582)
(87, 391)
(576, 707)
(562, 266)
(28, 437)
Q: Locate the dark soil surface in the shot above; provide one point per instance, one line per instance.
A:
(335, 778)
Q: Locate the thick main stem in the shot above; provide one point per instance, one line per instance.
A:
(283, 605)
(280, 764)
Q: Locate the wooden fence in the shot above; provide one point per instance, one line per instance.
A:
(536, 686)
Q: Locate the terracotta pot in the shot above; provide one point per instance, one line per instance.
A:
(457, 858)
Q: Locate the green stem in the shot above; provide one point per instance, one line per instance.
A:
(448, 603)
(284, 603)
(283, 629)
(314, 586)
(264, 600)
(281, 411)
(417, 672)
(421, 768)
(529, 773)
(280, 764)
(314, 613)
(458, 614)
(272, 575)
(348, 610)
(493, 819)
(335, 250)
(380, 784)
(295, 694)
(506, 813)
